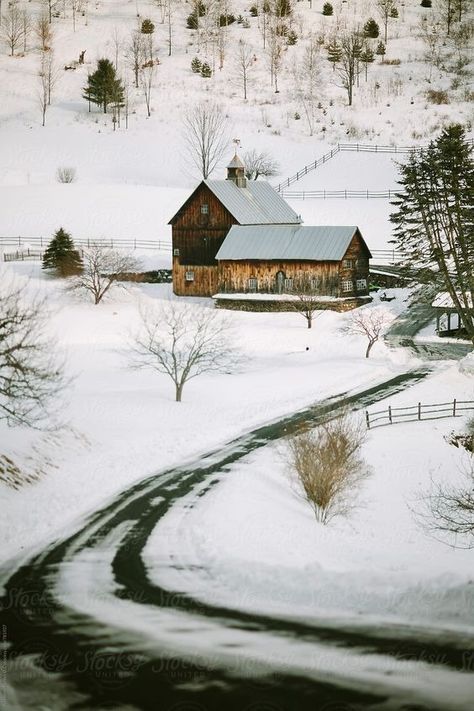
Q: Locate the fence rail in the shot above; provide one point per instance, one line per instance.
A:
(341, 194)
(357, 147)
(420, 411)
(119, 243)
(22, 255)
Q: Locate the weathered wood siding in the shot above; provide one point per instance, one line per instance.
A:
(234, 276)
(198, 237)
(357, 252)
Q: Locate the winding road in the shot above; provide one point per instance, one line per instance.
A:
(84, 627)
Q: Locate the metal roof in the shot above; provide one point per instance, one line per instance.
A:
(283, 242)
(236, 162)
(256, 204)
(445, 301)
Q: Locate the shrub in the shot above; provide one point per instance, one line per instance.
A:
(328, 9)
(437, 96)
(371, 29)
(206, 70)
(196, 65)
(147, 27)
(65, 174)
(297, 116)
(225, 20)
(394, 12)
(281, 29)
(393, 62)
(425, 3)
(254, 11)
(291, 38)
(380, 49)
(283, 8)
(327, 466)
(246, 24)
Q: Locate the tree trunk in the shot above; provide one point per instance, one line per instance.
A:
(310, 321)
(179, 391)
(369, 348)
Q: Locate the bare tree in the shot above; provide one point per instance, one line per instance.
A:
(44, 32)
(103, 267)
(327, 467)
(43, 92)
(147, 70)
(206, 136)
(76, 6)
(134, 54)
(260, 164)
(50, 8)
(370, 323)
(307, 299)
(432, 40)
(170, 7)
(245, 62)
(385, 9)
(26, 23)
(117, 44)
(183, 342)
(31, 375)
(12, 27)
(274, 52)
(307, 82)
(347, 67)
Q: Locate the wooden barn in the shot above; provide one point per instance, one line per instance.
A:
(236, 236)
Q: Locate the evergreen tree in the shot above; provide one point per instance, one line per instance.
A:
(334, 52)
(366, 57)
(103, 86)
(434, 220)
(371, 29)
(380, 51)
(327, 9)
(62, 256)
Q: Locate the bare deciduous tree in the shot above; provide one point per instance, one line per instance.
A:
(31, 375)
(307, 82)
(26, 23)
(245, 62)
(44, 32)
(206, 136)
(307, 299)
(102, 269)
(183, 342)
(134, 54)
(275, 56)
(347, 66)
(326, 465)
(12, 27)
(369, 323)
(385, 9)
(147, 70)
(117, 44)
(260, 164)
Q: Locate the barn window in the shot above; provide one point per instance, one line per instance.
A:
(361, 284)
(189, 276)
(288, 285)
(347, 263)
(204, 209)
(252, 284)
(347, 285)
(176, 252)
(314, 284)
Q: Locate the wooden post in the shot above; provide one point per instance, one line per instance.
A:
(454, 407)
(419, 410)
(390, 415)
(367, 419)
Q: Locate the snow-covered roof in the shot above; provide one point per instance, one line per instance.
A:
(236, 162)
(443, 300)
(325, 243)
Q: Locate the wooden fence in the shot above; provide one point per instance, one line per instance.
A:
(420, 411)
(129, 244)
(341, 194)
(22, 255)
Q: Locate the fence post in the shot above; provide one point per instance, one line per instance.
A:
(419, 410)
(454, 407)
(367, 419)
(390, 415)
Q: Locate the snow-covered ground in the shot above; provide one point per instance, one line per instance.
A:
(253, 543)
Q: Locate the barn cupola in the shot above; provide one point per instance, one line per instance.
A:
(236, 172)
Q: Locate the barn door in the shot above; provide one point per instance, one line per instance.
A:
(279, 282)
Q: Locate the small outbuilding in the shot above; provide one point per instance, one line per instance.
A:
(448, 320)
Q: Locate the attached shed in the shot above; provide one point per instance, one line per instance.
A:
(448, 320)
(278, 259)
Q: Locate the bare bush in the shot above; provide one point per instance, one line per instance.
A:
(183, 342)
(66, 174)
(327, 466)
(102, 268)
(260, 164)
(449, 509)
(437, 96)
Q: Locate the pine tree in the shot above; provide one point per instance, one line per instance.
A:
(103, 86)
(366, 57)
(371, 29)
(380, 51)
(334, 52)
(328, 9)
(434, 219)
(62, 256)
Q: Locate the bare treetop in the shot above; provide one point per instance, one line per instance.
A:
(206, 136)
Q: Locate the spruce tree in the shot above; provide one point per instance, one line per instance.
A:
(62, 256)
(434, 220)
(371, 29)
(366, 57)
(334, 52)
(103, 86)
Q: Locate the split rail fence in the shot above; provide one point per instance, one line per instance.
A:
(32, 244)
(414, 413)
